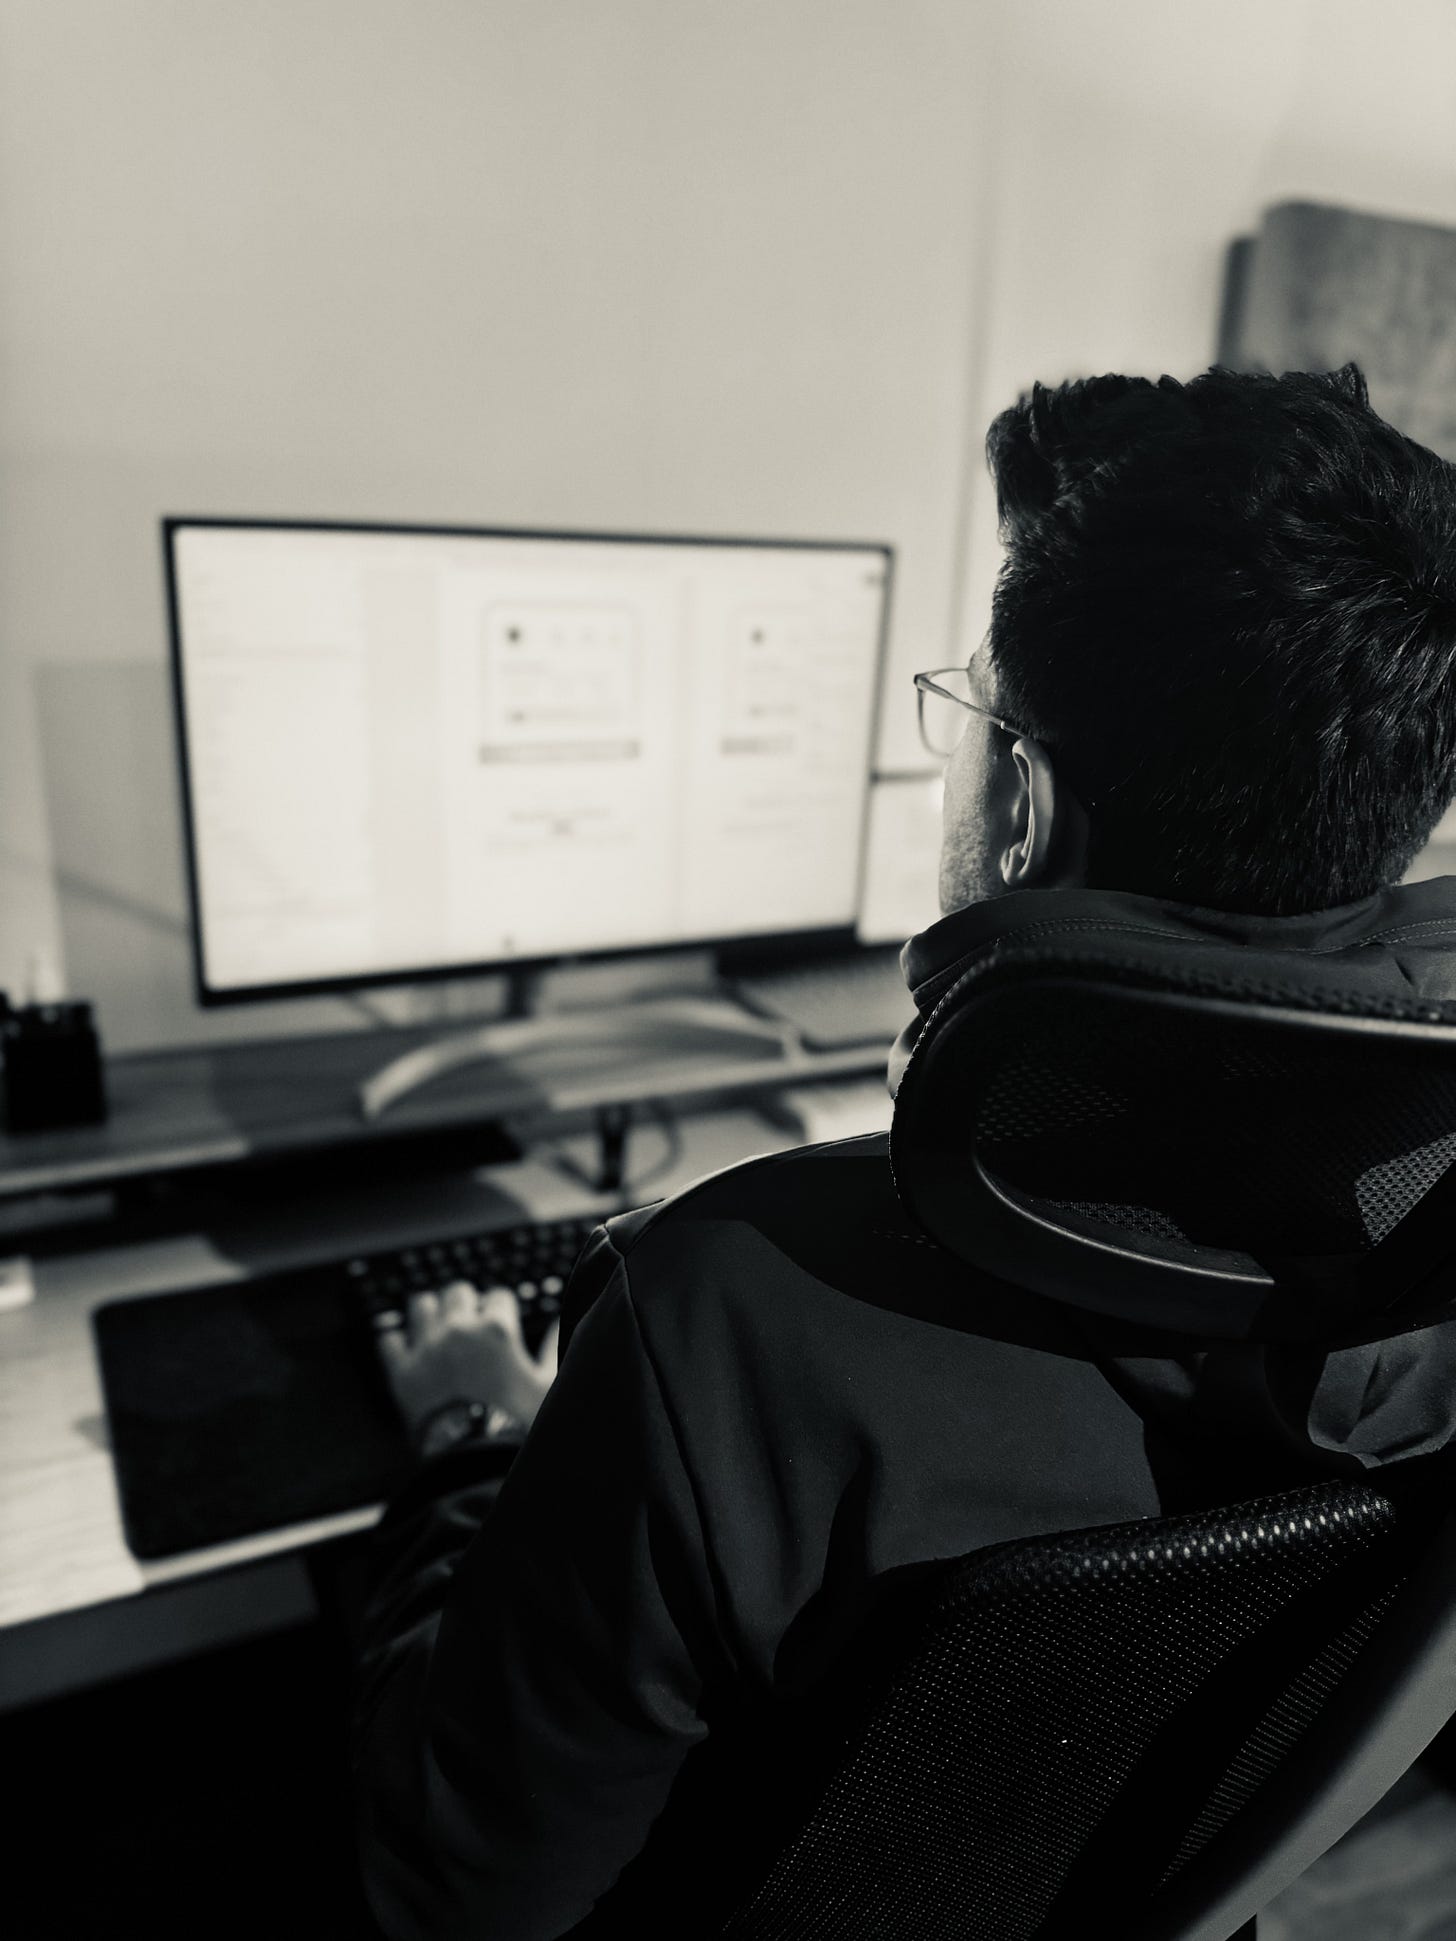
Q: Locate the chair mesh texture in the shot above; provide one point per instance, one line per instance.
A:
(1174, 1128)
(1038, 1742)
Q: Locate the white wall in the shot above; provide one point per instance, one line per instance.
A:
(1135, 139)
(762, 266)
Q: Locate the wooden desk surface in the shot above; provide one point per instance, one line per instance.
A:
(61, 1543)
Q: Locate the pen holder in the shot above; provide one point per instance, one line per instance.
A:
(51, 1061)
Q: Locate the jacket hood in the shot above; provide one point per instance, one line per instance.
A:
(1345, 1408)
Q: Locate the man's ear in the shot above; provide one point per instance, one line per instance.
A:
(1048, 848)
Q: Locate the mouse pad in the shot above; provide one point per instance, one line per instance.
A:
(242, 1408)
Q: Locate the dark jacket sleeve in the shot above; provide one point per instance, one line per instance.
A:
(533, 1654)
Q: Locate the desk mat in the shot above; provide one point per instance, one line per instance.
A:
(243, 1408)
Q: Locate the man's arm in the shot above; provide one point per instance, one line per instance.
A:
(534, 1655)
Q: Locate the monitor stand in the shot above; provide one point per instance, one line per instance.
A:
(627, 1034)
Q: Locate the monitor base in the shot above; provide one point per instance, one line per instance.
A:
(629, 1031)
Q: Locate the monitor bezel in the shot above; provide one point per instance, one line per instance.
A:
(823, 938)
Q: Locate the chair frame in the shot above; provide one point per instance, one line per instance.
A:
(1400, 1694)
(1393, 1704)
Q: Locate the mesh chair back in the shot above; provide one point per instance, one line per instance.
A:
(1100, 1732)
(1086, 1718)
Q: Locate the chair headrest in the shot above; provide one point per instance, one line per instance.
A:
(1223, 1141)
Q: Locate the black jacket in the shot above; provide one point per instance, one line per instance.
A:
(596, 1692)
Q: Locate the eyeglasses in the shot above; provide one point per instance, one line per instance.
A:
(943, 700)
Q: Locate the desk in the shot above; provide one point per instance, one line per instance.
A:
(61, 1543)
(178, 1112)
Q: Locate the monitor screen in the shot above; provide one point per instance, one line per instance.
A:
(414, 752)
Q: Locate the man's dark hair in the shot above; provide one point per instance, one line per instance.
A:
(1228, 607)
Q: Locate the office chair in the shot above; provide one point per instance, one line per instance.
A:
(1149, 1730)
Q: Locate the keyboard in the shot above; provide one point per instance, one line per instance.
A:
(852, 998)
(533, 1261)
(253, 1405)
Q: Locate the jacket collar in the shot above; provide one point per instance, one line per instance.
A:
(1406, 935)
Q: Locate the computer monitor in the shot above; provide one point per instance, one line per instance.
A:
(416, 752)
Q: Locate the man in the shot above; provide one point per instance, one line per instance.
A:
(1218, 697)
